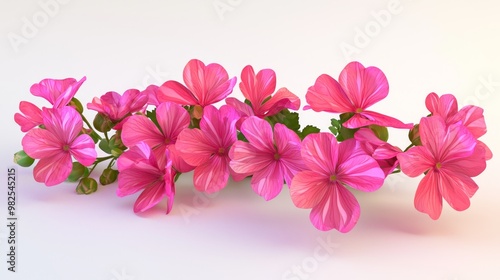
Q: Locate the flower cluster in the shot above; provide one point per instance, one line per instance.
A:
(150, 137)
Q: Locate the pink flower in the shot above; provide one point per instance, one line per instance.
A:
(470, 116)
(271, 159)
(172, 119)
(330, 167)
(152, 93)
(116, 107)
(205, 85)
(384, 153)
(58, 92)
(207, 148)
(449, 156)
(57, 144)
(357, 89)
(140, 170)
(30, 117)
(258, 89)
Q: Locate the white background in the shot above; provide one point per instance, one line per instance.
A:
(422, 46)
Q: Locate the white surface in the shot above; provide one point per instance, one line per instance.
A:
(450, 46)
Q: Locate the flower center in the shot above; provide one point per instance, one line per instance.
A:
(359, 110)
(277, 156)
(66, 148)
(221, 151)
(167, 141)
(439, 165)
(333, 178)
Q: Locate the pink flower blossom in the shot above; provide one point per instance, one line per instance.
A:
(30, 116)
(384, 153)
(140, 170)
(57, 144)
(152, 93)
(470, 116)
(172, 119)
(58, 92)
(205, 85)
(116, 107)
(330, 167)
(258, 89)
(269, 158)
(357, 89)
(207, 148)
(449, 156)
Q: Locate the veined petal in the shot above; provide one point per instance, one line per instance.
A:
(282, 99)
(471, 117)
(308, 188)
(320, 152)
(31, 116)
(178, 163)
(366, 118)
(242, 108)
(416, 161)
(219, 126)
(338, 209)
(361, 173)
(138, 177)
(488, 154)
(246, 159)
(456, 189)
(150, 196)
(428, 199)
(363, 86)
(257, 88)
(172, 119)
(83, 150)
(259, 134)
(212, 175)
(193, 147)
(65, 123)
(39, 143)
(327, 95)
(175, 92)
(432, 132)
(457, 143)
(141, 129)
(51, 89)
(471, 166)
(140, 152)
(68, 93)
(444, 106)
(268, 181)
(53, 170)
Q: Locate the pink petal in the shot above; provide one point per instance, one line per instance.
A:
(53, 170)
(83, 150)
(320, 152)
(361, 173)
(366, 118)
(140, 128)
(194, 147)
(243, 108)
(416, 161)
(32, 116)
(138, 153)
(138, 177)
(327, 95)
(288, 145)
(488, 154)
(444, 106)
(172, 119)
(175, 92)
(151, 196)
(212, 176)
(471, 117)
(259, 134)
(68, 94)
(363, 86)
(39, 143)
(428, 198)
(246, 159)
(268, 182)
(219, 126)
(65, 123)
(471, 166)
(178, 163)
(338, 209)
(456, 189)
(282, 99)
(256, 88)
(458, 143)
(308, 188)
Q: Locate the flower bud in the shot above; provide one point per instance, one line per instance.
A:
(102, 123)
(75, 103)
(414, 136)
(77, 172)
(380, 131)
(108, 176)
(23, 159)
(86, 186)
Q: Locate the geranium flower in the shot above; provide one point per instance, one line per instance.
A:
(57, 144)
(269, 158)
(140, 170)
(384, 153)
(449, 156)
(152, 93)
(58, 92)
(30, 116)
(172, 119)
(258, 89)
(205, 85)
(470, 116)
(116, 107)
(207, 148)
(330, 167)
(357, 89)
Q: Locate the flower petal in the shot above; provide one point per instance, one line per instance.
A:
(172, 119)
(246, 159)
(175, 92)
(456, 189)
(39, 143)
(31, 116)
(259, 134)
(193, 147)
(444, 106)
(361, 173)
(151, 196)
(320, 152)
(416, 161)
(428, 198)
(327, 95)
(366, 118)
(268, 182)
(471, 117)
(53, 170)
(282, 99)
(212, 175)
(256, 88)
(141, 129)
(83, 150)
(308, 188)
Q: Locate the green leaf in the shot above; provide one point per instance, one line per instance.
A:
(241, 137)
(380, 131)
(335, 126)
(291, 120)
(309, 129)
(104, 145)
(152, 116)
(23, 159)
(78, 171)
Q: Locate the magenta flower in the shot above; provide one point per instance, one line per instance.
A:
(152, 93)
(384, 153)
(449, 156)
(58, 92)
(30, 116)
(357, 89)
(470, 116)
(258, 89)
(57, 144)
(116, 107)
(172, 119)
(140, 170)
(207, 148)
(330, 167)
(269, 158)
(205, 85)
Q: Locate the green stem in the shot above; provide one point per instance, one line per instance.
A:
(407, 148)
(97, 161)
(90, 126)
